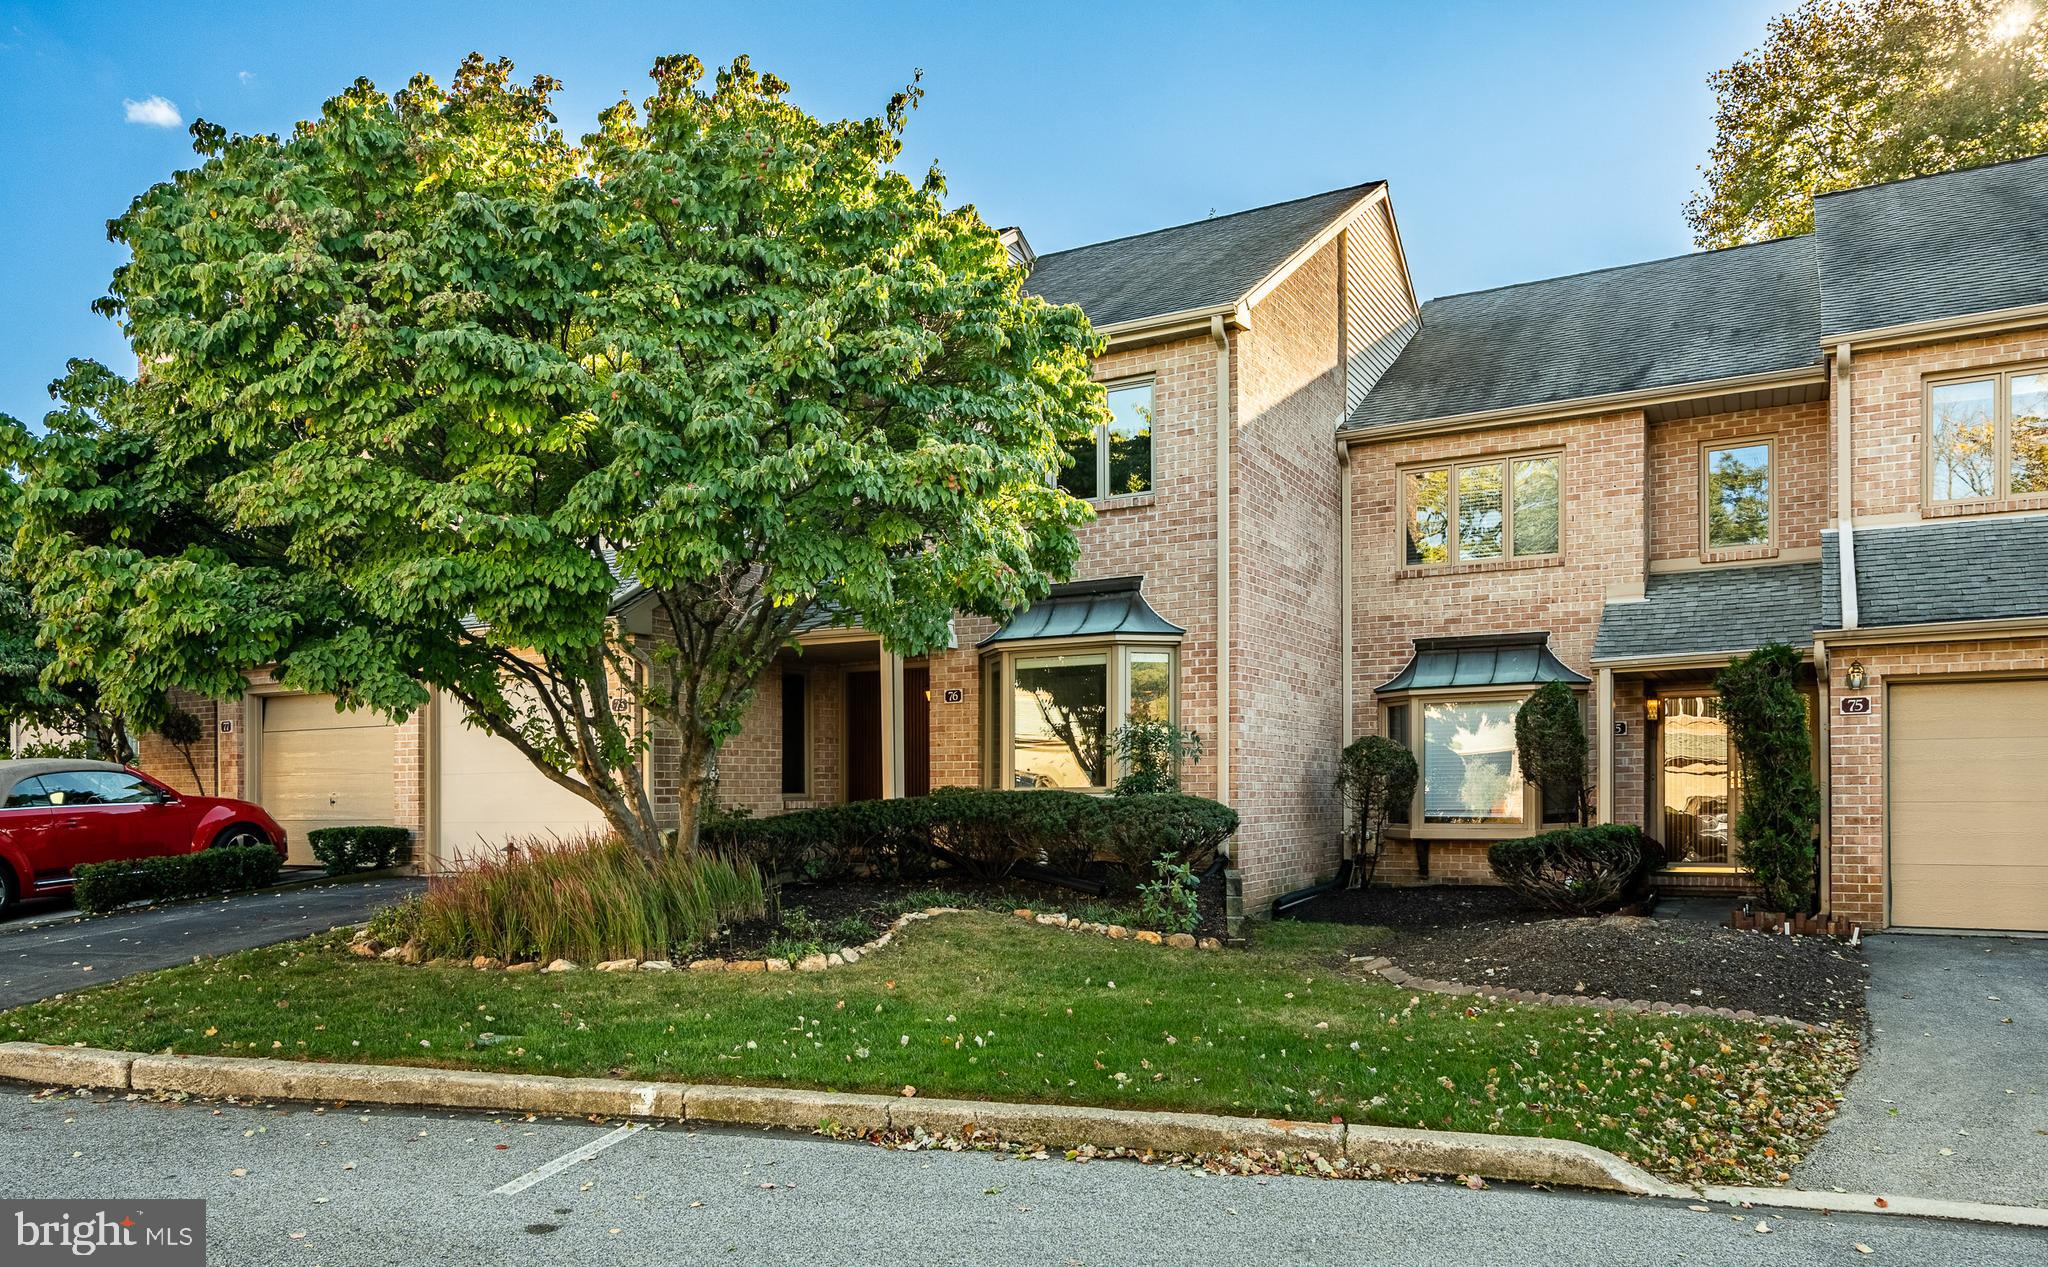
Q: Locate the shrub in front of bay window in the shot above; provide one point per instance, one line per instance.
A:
(1149, 756)
(1579, 870)
(1140, 831)
(1376, 777)
(1765, 710)
(1550, 746)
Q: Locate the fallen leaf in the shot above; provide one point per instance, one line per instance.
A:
(238, 1172)
(1861, 1248)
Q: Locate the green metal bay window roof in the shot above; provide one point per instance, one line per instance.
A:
(1108, 608)
(1482, 661)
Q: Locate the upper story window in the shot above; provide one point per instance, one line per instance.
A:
(1987, 436)
(1737, 494)
(1469, 512)
(1117, 460)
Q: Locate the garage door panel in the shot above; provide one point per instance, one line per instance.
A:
(490, 794)
(320, 768)
(1964, 895)
(1967, 811)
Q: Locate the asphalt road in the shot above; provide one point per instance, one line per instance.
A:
(1952, 1098)
(39, 957)
(341, 1187)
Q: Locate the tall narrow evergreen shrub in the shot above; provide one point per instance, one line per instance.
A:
(1765, 710)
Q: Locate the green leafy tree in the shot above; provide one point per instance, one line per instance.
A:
(1766, 714)
(1376, 777)
(1550, 744)
(435, 379)
(1857, 92)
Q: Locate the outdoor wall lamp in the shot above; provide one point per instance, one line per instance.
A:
(1651, 707)
(1855, 675)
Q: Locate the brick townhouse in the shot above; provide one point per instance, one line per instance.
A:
(1323, 511)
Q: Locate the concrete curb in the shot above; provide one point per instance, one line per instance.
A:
(1872, 1203)
(1506, 1157)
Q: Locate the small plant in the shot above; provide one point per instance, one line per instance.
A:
(1765, 711)
(182, 731)
(1550, 745)
(1170, 901)
(1575, 869)
(361, 848)
(1149, 755)
(1376, 777)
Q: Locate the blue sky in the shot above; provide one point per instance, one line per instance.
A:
(1521, 140)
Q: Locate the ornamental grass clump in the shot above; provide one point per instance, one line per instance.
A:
(586, 900)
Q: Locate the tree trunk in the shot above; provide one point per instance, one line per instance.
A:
(193, 766)
(691, 789)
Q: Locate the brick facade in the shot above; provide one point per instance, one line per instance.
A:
(1799, 436)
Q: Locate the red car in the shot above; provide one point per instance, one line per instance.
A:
(55, 815)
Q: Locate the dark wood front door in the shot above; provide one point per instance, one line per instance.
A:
(863, 735)
(917, 730)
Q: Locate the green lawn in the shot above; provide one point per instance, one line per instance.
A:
(984, 1006)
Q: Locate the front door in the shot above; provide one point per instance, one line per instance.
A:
(1696, 766)
(863, 735)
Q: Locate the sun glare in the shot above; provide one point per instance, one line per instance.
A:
(2012, 23)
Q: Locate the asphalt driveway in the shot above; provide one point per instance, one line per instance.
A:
(42, 958)
(1952, 1099)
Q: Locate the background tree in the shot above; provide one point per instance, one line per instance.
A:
(1765, 710)
(1856, 92)
(1376, 777)
(426, 382)
(1550, 744)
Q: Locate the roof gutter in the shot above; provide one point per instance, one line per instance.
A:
(1957, 326)
(1938, 631)
(1845, 493)
(1579, 406)
(1220, 335)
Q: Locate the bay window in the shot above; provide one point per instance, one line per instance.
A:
(1051, 710)
(1470, 780)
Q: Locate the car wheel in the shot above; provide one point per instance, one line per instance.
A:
(10, 892)
(240, 834)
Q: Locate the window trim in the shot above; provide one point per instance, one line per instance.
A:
(2001, 377)
(1417, 828)
(1506, 463)
(1000, 763)
(1102, 491)
(1770, 542)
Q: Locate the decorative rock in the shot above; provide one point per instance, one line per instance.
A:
(836, 959)
(366, 949)
(409, 952)
(1210, 943)
(392, 953)
(524, 965)
(561, 965)
(1181, 941)
(657, 965)
(747, 965)
(850, 954)
(1022, 912)
(812, 963)
(778, 965)
(618, 965)
(1053, 920)
(707, 965)
(487, 962)
(1149, 937)
(1118, 932)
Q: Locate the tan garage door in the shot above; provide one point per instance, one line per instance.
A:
(489, 793)
(1969, 805)
(320, 768)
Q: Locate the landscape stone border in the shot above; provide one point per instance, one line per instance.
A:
(366, 946)
(1385, 968)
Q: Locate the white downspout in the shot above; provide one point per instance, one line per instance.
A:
(1222, 340)
(1845, 497)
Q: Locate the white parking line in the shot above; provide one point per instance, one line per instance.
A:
(566, 1160)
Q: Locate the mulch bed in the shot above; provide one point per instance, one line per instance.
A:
(1484, 937)
(876, 904)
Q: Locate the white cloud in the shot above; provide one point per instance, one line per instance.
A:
(246, 76)
(153, 112)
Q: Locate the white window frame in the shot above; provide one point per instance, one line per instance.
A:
(999, 677)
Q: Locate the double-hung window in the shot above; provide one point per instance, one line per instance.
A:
(1987, 436)
(1116, 460)
(1473, 512)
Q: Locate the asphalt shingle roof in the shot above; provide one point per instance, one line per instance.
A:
(1202, 265)
(1713, 610)
(1963, 569)
(1937, 246)
(1687, 319)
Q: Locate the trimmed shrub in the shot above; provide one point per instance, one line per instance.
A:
(1765, 710)
(102, 886)
(1375, 776)
(1141, 831)
(1576, 869)
(366, 848)
(1550, 744)
(587, 900)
